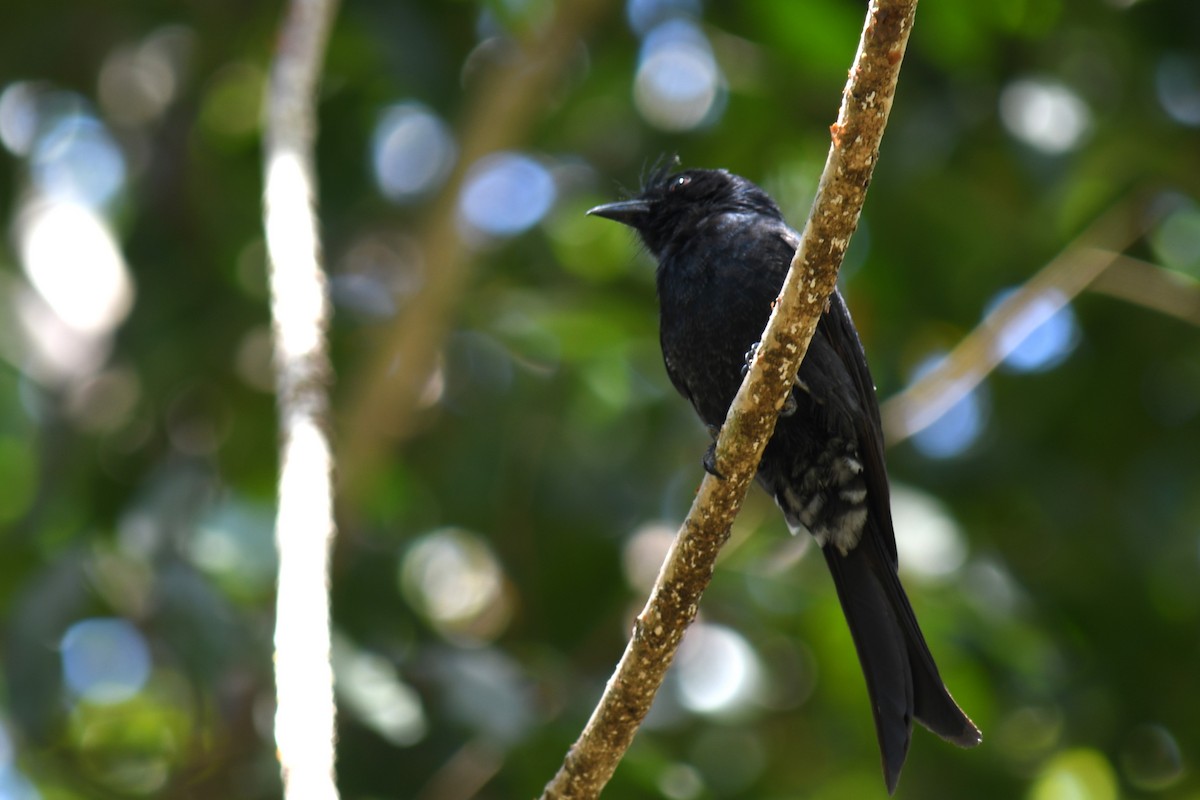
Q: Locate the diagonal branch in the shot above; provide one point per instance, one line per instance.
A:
(866, 102)
(304, 527)
(385, 393)
(1092, 260)
(1151, 286)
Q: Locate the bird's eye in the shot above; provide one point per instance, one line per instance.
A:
(680, 182)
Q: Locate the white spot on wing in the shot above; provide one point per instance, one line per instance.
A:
(854, 495)
(847, 536)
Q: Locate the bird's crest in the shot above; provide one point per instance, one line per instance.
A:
(661, 169)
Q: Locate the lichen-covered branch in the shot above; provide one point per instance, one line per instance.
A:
(304, 527)
(866, 102)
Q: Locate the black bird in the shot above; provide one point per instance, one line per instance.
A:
(723, 250)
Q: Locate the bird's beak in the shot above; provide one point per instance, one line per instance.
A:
(627, 212)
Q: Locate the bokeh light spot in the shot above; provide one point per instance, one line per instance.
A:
(680, 782)
(104, 402)
(362, 293)
(15, 786)
(1151, 758)
(505, 194)
(6, 750)
(412, 152)
(644, 553)
(254, 360)
(717, 670)
(132, 89)
(1080, 774)
(50, 352)
(235, 542)
(1177, 81)
(957, 429)
(678, 80)
(1041, 336)
(74, 262)
(929, 540)
(367, 683)
(1044, 114)
(77, 160)
(232, 108)
(1176, 240)
(991, 588)
(18, 117)
(1029, 733)
(454, 580)
(105, 660)
(138, 82)
(644, 15)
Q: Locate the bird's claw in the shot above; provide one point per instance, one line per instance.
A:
(789, 403)
(750, 357)
(710, 455)
(710, 462)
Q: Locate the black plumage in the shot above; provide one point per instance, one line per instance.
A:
(723, 249)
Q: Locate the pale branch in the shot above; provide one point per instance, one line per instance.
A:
(1081, 265)
(304, 527)
(1151, 286)
(507, 103)
(866, 102)
(465, 773)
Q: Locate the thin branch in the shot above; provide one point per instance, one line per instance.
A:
(866, 102)
(304, 527)
(505, 106)
(1149, 285)
(1075, 269)
(465, 773)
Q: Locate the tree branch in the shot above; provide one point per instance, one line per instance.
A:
(1079, 266)
(1151, 286)
(505, 106)
(866, 102)
(304, 527)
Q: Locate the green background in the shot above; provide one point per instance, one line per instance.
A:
(1068, 628)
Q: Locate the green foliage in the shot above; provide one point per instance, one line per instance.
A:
(485, 580)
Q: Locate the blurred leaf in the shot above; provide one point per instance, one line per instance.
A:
(551, 431)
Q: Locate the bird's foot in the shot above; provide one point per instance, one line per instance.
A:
(710, 462)
(789, 403)
(750, 357)
(710, 455)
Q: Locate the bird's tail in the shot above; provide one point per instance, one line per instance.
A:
(902, 680)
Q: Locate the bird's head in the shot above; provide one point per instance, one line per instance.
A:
(673, 204)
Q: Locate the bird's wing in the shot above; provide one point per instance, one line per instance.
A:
(839, 331)
(837, 328)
